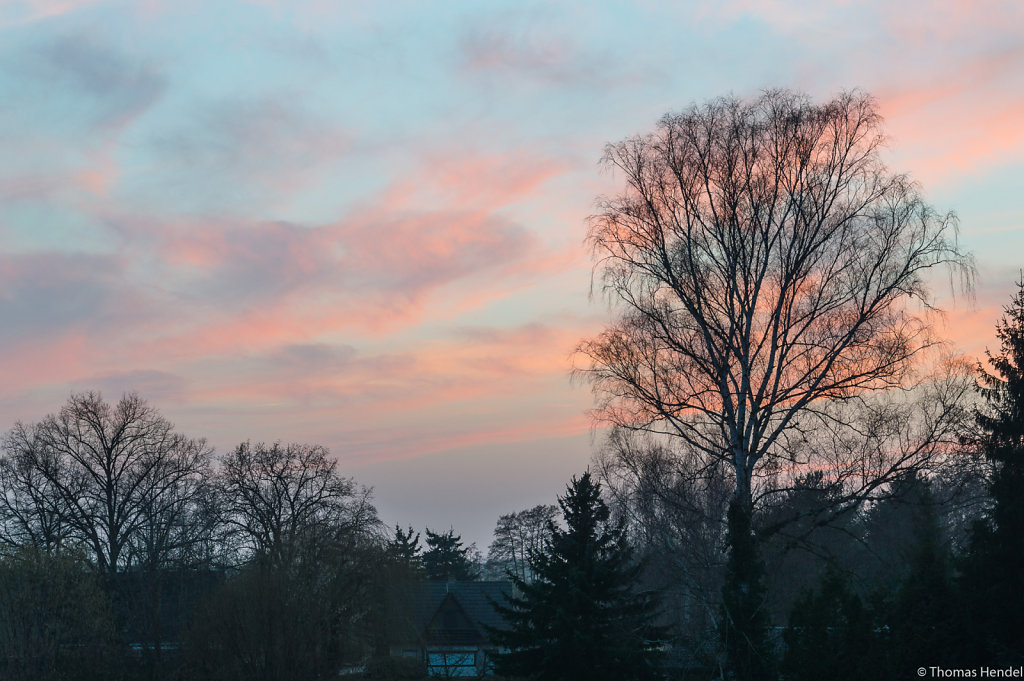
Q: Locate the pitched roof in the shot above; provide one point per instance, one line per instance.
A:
(447, 612)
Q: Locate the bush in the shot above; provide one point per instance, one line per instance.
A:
(55, 620)
(395, 669)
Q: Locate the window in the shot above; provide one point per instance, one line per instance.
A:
(448, 663)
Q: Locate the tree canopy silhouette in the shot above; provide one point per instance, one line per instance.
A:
(767, 265)
(446, 558)
(992, 577)
(581, 616)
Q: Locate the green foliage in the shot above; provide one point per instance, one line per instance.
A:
(991, 585)
(446, 559)
(829, 635)
(744, 628)
(55, 620)
(581, 617)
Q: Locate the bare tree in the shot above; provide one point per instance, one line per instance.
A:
(519, 535)
(283, 499)
(101, 471)
(769, 266)
(309, 543)
(33, 511)
(175, 524)
(674, 510)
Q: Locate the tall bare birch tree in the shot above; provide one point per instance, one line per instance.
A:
(767, 265)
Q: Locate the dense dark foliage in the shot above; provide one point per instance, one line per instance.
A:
(992, 582)
(581, 617)
(744, 628)
(445, 558)
(404, 550)
(830, 634)
(55, 620)
(268, 564)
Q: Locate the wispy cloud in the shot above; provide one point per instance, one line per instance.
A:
(363, 225)
(248, 152)
(17, 12)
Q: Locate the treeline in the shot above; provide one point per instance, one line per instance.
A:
(922, 573)
(130, 551)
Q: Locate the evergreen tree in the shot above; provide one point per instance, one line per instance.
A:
(394, 582)
(582, 616)
(829, 634)
(925, 628)
(744, 623)
(446, 559)
(992, 587)
(404, 550)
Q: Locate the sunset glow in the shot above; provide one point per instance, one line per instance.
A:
(363, 226)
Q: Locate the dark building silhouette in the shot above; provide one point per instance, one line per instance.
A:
(442, 625)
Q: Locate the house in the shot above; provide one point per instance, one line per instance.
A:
(442, 625)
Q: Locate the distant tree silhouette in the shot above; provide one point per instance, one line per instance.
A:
(285, 502)
(830, 634)
(114, 478)
(308, 549)
(446, 558)
(117, 481)
(582, 616)
(992, 582)
(515, 536)
(403, 550)
(923, 620)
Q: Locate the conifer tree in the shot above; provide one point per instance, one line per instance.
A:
(446, 559)
(582, 617)
(924, 626)
(829, 634)
(404, 550)
(992, 584)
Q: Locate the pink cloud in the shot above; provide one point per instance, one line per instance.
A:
(405, 443)
(951, 19)
(974, 109)
(238, 318)
(14, 12)
(495, 374)
(231, 283)
(477, 387)
(39, 361)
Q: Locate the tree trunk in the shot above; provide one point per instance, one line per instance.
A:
(750, 654)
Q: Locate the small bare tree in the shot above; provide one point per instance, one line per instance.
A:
(768, 265)
(517, 536)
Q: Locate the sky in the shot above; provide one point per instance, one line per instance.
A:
(362, 225)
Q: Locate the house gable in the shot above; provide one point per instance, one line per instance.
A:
(452, 625)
